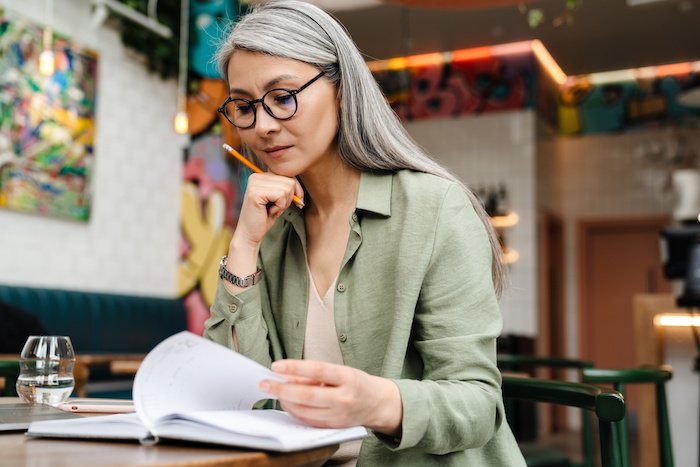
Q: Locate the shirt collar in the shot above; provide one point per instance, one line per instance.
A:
(374, 195)
(375, 192)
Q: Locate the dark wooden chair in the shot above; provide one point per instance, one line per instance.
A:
(9, 371)
(618, 379)
(607, 405)
(536, 454)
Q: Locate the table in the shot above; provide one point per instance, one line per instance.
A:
(17, 449)
(124, 367)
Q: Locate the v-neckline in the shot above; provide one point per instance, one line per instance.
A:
(325, 298)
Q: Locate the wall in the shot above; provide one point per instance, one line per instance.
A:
(130, 243)
(609, 176)
(488, 150)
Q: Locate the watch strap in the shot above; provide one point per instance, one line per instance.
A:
(242, 282)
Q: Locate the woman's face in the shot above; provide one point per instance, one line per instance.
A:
(288, 147)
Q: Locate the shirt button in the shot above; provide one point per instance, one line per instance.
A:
(354, 216)
(343, 337)
(341, 287)
(233, 308)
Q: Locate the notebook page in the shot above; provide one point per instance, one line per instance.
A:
(186, 372)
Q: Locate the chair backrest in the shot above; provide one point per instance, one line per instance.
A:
(517, 363)
(644, 375)
(9, 370)
(608, 406)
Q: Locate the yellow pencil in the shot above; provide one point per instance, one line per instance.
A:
(255, 169)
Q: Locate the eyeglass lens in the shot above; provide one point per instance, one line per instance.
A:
(278, 103)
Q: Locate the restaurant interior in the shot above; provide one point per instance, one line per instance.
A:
(576, 123)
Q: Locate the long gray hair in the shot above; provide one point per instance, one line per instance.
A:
(370, 135)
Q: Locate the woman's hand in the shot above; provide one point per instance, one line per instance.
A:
(336, 396)
(267, 196)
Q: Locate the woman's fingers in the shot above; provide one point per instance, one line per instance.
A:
(314, 395)
(269, 189)
(323, 372)
(318, 417)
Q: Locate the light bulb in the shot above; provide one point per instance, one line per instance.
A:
(181, 122)
(46, 62)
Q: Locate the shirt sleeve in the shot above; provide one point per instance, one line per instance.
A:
(244, 312)
(458, 403)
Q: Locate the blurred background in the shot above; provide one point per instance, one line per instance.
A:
(576, 122)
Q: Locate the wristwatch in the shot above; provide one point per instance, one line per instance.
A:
(242, 282)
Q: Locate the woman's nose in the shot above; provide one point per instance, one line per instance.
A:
(264, 122)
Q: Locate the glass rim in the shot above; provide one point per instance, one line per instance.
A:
(48, 336)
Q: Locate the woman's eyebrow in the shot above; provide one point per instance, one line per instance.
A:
(273, 82)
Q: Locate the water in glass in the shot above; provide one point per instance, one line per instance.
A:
(46, 370)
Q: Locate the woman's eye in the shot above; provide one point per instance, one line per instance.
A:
(243, 109)
(284, 99)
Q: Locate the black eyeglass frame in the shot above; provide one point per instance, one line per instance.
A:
(253, 103)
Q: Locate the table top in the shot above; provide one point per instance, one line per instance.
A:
(18, 449)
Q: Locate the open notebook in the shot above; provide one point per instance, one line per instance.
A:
(192, 389)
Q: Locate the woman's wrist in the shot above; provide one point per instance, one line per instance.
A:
(242, 261)
(243, 256)
(388, 416)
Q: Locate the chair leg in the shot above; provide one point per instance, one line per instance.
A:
(587, 440)
(623, 434)
(609, 454)
(664, 428)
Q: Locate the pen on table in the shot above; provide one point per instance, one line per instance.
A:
(255, 169)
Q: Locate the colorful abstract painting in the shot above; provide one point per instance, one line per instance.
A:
(47, 126)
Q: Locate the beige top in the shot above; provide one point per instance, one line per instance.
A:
(321, 343)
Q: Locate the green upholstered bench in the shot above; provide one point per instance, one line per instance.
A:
(101, 323)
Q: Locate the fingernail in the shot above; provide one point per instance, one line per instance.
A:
(265, 387)
(278, 366)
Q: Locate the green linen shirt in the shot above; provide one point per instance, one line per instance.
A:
(414, 302)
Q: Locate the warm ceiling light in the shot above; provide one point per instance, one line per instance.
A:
(677, 320)
(475, 53)
(181, 122)
(47, 62)
(548, 62)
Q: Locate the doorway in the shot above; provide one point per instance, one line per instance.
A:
(617, 259)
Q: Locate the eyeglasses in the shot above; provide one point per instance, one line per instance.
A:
(279, 103)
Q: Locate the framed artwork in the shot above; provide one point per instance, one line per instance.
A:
(47, 123)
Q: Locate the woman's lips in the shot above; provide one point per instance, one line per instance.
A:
(276, 151)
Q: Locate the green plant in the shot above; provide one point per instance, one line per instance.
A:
(535, 16)
(160, 55)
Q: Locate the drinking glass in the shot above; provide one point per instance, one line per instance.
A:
(46, 370)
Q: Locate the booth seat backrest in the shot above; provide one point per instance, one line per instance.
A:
(101, 322)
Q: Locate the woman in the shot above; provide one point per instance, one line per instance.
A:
(374, 293)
